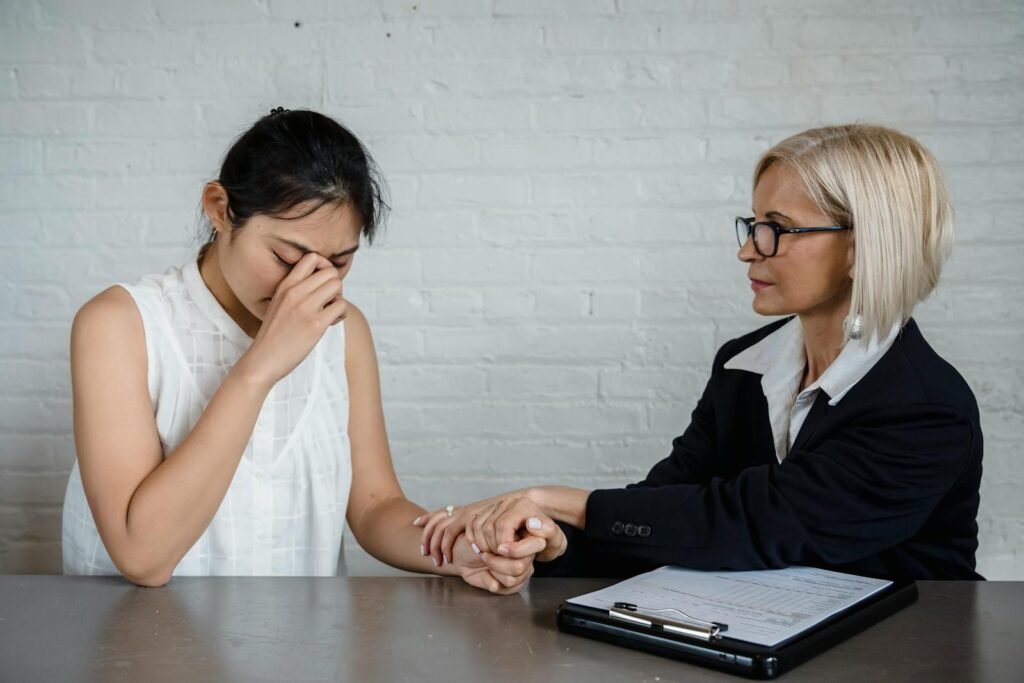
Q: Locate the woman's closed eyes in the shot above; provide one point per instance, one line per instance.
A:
(290, 264)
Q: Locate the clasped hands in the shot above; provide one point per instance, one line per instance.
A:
(493, 543)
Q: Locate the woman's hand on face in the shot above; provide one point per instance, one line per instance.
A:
(499, 575)
(306, 302)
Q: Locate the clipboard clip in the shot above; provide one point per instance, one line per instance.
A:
(691, 626)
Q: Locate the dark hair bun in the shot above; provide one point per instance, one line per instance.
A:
(296, 157)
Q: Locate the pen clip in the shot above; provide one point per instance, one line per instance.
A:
(644, 616)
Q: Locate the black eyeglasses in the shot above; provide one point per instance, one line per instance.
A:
(766, 234)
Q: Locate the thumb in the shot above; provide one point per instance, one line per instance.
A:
(554, 537)
(528, 546)
(541, 528)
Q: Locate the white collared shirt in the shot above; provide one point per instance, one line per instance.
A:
(780, 359)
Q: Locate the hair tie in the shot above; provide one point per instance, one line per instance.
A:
(278, 110)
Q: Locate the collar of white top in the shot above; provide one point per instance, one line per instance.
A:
(209, 305)
(780, 356)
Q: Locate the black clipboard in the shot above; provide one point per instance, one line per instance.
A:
(732, 655)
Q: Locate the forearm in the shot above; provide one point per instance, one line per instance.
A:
(174, 505)
(562, 503)
(386, 532)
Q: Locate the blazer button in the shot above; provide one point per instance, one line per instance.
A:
(643, 531)
(631, 529)
(617, 528)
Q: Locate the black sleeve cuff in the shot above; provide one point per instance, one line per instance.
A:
(614, 516)
(586, 557)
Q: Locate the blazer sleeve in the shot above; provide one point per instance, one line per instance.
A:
(868, 487)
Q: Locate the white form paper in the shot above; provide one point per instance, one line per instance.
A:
(763, 607)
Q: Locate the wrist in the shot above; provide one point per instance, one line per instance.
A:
(451, 568)
(541, 497)
(563, 504)
(460, 553)
(246, 372)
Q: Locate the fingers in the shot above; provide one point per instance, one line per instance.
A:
(473, 528)
(431, 522)
(475, 531)
(483, 532)
(422, 521)
(303, 268)
(327, 293)
(440, 532)
(507, 526)
(471, 535)
(511, 582)
(449, 535)
(542, 526)
(483, 579)
(428, 521)
(335, 312)
(310, 288)
(445, 533)
(487, 525)
(498, 584)
(502, 525)
(499, 529)
(527, 547)
(434, 547)
(497, 564)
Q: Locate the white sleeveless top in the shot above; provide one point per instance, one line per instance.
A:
(284, 512)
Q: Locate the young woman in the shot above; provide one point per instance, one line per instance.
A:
(227, 413)
(836, 437)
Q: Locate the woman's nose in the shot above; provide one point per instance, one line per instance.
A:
(747, 252)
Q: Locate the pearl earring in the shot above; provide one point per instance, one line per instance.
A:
(854, 328)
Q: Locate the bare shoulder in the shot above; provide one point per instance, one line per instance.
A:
(357, 327)
(358, 338)
(110, 321)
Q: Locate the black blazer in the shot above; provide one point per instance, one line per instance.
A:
(883, 484)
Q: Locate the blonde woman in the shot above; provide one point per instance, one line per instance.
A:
(836, 437)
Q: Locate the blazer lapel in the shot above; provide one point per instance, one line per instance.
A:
(764, 437)
(819, 412)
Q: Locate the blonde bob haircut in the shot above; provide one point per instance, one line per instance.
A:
(889, 189)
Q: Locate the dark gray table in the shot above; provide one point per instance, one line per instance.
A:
(62, 628)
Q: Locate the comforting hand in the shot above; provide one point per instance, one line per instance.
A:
(499, 528)
(500, 575)
(440, 530)
(508, 525)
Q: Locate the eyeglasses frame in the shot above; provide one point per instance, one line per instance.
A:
(751, 225)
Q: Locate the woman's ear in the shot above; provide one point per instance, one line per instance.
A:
(215, 206)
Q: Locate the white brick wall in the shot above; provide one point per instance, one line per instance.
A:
(560, 264)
